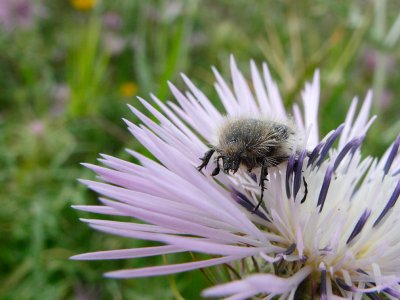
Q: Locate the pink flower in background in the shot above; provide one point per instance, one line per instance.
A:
(112, 20)
(19, 14)
(113, 41)
(370, 60)
(37, 127)
(60, 93)
(342, 237)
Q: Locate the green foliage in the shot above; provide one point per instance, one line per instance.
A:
(67, 74)
(86, 66)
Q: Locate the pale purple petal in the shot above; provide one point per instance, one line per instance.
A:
(225, 94)
(169, 269)
(174, 222)
(260, 283)
(310, 97)
(274, 96)
(344, 138)
(263, 101)
(227, 207)
(298, 118)
(204, 246)
(176, 121)
(240, 296)
(168, 132)
(205, 102)
(243, 94)
(130, 226)
(193, 113)
(98, 209)
(122, 165)
(128, 253)
(360, 125)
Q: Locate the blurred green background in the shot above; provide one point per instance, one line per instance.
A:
(69, 68)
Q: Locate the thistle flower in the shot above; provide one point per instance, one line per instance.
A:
(340, 240)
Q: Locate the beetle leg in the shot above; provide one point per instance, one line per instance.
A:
(217, 168)
(263, 178)
(305, 191)
(206, 158)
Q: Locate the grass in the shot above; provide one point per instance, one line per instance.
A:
(61, 104)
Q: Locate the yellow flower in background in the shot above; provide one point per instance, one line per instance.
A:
(128, 89)
(83, 4)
